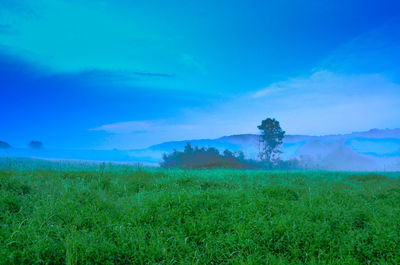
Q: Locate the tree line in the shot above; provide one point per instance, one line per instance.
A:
(32, 144)
(270, 142)
(195, 157)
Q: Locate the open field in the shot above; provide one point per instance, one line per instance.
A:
(132, 215)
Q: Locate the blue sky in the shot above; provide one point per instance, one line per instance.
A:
(127, 74)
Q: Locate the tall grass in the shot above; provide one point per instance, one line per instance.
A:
(132, 215)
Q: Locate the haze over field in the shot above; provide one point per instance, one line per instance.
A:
(129, 75)
(374, 150)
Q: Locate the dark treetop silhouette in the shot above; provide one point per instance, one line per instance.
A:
(271, 139)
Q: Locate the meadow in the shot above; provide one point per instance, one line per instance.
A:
(56, 213)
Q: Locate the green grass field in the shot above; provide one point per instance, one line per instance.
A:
(132, 215)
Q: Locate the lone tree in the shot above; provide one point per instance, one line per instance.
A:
(270, 140)
(35, 145)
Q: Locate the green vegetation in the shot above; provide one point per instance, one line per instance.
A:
(35, 145)
(271, 139)
(104, 214)
(207, 158)
(270, 142)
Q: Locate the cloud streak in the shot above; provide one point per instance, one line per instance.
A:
(374, 51)
(327, 102)
(153, 74)
(142, 63)
(122, 47)
(133, 127)
(322, 103)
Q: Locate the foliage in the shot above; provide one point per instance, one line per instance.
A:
(134, 215)
(206, 158)
(271, 139)
(35, 144)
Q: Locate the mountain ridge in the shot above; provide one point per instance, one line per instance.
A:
(372, 133)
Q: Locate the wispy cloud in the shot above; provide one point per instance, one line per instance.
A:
(328, 102)
(374, 51)
(119, 46)
(153, 74)
(130, 127)
(119, 77)
(321, 103)
(126, 127)
(141, 134)
(326, 83)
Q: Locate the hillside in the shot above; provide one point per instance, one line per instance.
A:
(371, 150)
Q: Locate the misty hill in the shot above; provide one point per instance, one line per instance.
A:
(374, 150)
(374, 142)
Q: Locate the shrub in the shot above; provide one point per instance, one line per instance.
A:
(35, 144)
(206, 158)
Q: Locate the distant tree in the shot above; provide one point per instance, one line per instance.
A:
(188, 148)
(240, 155)
(4, 145)
(35, 145)
(271, 139)
(228, 154)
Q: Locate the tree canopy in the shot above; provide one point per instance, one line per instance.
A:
(35, 144)
(271, 139)
(195, 157)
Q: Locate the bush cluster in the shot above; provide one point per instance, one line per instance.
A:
(195, 157)
(210, 157)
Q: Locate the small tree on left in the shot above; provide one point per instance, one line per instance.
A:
(35, 145)
(4, 145)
